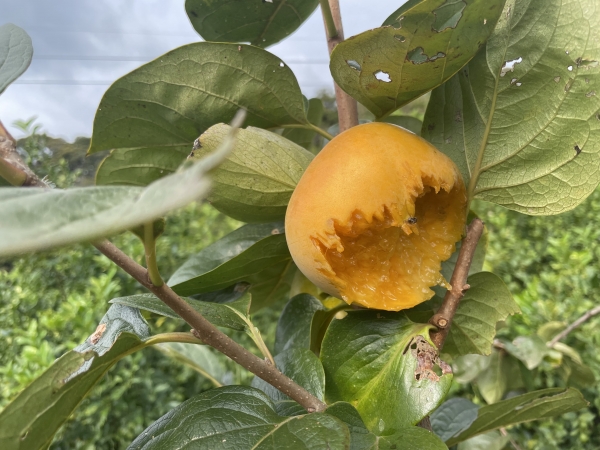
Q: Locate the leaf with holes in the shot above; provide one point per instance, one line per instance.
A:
(16, 51)
(535, 405)
(240, 417)
(260, 23)
(419, 47)
(35, 219)
(256, 181)
(150, 117)
(521, 121)
(255, 253)
(302, 366)
(30, 421)
(487, 302)
(386, 367)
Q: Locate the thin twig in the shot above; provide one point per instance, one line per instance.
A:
(347, 107)
(443, 318)
(150, 250)
(211, 335)
(588, 315)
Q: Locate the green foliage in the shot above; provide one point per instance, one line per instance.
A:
(532, 142)
(418, 48)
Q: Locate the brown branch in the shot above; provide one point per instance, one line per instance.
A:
(211, 335)
(443, 318)
(347, 107)
(12, 167)
(588, 315)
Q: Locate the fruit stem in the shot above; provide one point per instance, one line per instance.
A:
(443, 318)
(347, 107)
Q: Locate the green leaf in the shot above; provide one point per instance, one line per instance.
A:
(362, 439)
(535, 405)
(239, 417)
(493, 381)
(256, 181)
(532, 142)
(303, 322)
(232, 315)
(385, 366)
(16, 51)
(293, 326)
(489, 441)
(410, 123)
(36, 219)
(416, 50)
(260, 23)
(150, 117)
(303, 136)
(529, 349)
(466, 368)
(30, 421)
(302, 366)
(197, 357)
(487, 302)
(453, 417)
(255, 253)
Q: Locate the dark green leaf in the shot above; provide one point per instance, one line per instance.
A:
(415, 51)
(532, 143)
(293, 327)
(303, 136)
(523, 408)
(384, 365)
(487, 302)
(16, 52)
(453, 417)
(410, 123)
(232, 315)
(238, 417)
(199, 358)
(409, 438)
(529, 349)
(30, 421)
(36, 219)
(302, 366)
(261, 23)
(150, 117)
(255, 253)
(489, 441)
(256, 181)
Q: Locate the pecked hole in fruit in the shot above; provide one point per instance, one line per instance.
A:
(394, 260)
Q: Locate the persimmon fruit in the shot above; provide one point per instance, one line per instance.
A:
(374, 215)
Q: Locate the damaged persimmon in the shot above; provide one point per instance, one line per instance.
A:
(374, 216)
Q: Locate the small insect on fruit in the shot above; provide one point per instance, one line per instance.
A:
(374, 215)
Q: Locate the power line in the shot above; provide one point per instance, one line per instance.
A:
(107, 83)
(145, 58)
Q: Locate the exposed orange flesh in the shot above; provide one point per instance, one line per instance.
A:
(374, 215)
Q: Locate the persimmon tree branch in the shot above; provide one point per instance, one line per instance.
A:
(211, 335)
(442, 319)
(18, 173)
(347, 107)
(588, 315)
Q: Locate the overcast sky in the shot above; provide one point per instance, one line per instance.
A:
(81, 46)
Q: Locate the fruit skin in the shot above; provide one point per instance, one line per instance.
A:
(371, 175)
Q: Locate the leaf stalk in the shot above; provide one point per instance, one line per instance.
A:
(150, 249)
